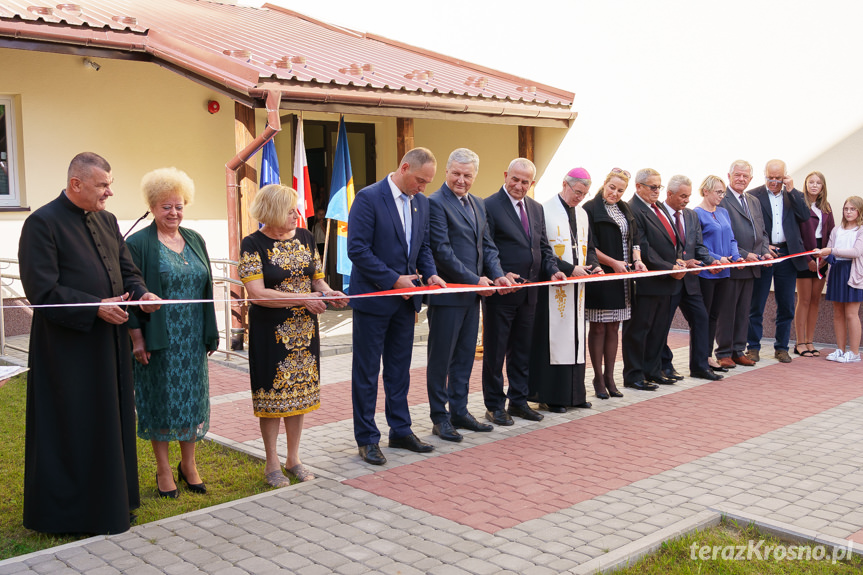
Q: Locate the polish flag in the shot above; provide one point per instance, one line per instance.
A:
(301, 179)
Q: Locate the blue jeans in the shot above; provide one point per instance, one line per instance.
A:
(784, 278)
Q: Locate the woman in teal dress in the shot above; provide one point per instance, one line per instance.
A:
(171, 380)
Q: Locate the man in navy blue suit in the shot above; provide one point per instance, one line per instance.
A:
(388, 243)
(465, 254)
(783, 208)
(517, 226)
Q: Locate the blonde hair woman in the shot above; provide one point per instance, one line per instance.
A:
(172, 389)
(279, 264)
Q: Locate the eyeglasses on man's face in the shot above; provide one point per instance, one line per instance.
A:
(653, 188)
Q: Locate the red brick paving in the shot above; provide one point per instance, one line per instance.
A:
(856, 537)
(554, 468)
(234, 420)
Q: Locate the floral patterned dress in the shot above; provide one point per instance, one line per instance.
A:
(284, 345)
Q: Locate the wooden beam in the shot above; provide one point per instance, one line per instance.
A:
(247, 175)
(238, 210)
(525, 142)
(405, 136)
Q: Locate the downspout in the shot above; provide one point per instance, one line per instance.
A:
(274, 126)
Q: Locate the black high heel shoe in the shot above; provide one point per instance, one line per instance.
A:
(173, 494)
(193, 487)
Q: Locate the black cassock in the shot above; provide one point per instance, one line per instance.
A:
(556, 384)
(81, 470)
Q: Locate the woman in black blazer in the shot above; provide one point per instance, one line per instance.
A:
(608, 303)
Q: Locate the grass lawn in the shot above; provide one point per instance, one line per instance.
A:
(229, 475)
(675, 557)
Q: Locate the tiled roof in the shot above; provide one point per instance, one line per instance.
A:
(272, 45)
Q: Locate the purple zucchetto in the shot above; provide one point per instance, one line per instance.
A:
(578, 173)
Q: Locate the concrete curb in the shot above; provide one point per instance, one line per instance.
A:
(788, 532)
(632, 552)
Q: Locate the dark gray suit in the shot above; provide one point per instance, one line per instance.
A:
(645, 333)
(463, 252)
(689, 298)
(508, 319)
(748, 227)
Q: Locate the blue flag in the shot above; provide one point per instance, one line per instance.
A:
(269, 165)
(341, 198)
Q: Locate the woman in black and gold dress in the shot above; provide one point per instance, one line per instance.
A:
(279, 263)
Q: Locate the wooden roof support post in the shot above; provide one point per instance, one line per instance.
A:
(525, 146)
(405, 136)
(247, 175)
(240, 195)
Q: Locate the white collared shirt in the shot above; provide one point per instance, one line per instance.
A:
(671, 213)
(515, 205)
(399, 198)
(777, 234)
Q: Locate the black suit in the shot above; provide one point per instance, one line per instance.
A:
(645, 333)
(783, 275)
(463, 252)
(508, 319)
(747, 223)
(689, 298)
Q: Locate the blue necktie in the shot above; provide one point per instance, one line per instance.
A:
(406, 214)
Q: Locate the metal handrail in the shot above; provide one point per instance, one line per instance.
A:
(221, 280)
(4, 264)
(225, 282)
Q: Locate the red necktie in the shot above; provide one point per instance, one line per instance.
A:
(679, 225)
(524, 223)
(665, 223)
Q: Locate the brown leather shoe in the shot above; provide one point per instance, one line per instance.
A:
(754, 355)
(782, 355)
(742, 360)
(727, 363)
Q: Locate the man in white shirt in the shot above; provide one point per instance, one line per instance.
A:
(783, 208)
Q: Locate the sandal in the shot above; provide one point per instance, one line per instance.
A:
(813, 352)
(300, 472)
(277, 479)
(805, 352)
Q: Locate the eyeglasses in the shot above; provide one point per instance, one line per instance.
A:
(720, 193)
(653, 188)
(774, 179)
(574, 191)
(619, 171)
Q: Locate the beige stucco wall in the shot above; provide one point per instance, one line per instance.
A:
(137, 115)
(140, 116)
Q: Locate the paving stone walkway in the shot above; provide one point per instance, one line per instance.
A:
(778, 441)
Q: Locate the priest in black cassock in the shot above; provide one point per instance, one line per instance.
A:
(557, 358)
(80, 464)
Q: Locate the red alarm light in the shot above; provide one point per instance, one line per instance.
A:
(213, 106)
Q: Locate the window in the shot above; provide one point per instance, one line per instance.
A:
(8, 178)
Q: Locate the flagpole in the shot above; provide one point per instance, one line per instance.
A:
(326, 245)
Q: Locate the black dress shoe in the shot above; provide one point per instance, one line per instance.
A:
(553, 408)
(585, 405)
(445, 431)
(411, 443)
(642, 385)
(372, 454)
(601, 395)
(672, 373)
(705, 375)
(470, 423)
(172, 494)
(193, 487)
(499, 417)
(660, 379)
(524, 412)
(720, 368)
(615, 393)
